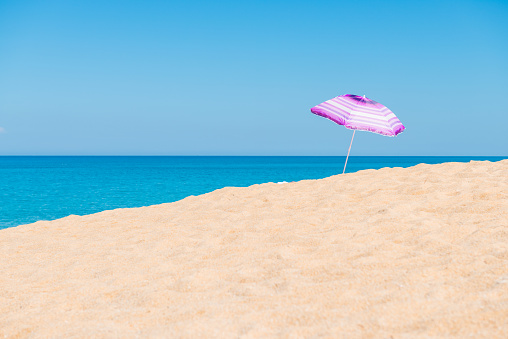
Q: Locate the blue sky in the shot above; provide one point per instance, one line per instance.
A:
(239, 78)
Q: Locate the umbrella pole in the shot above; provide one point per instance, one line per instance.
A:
(348, 151)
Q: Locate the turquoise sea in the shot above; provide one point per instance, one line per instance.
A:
(36, 188)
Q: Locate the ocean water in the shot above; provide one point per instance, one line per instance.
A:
(36, 188)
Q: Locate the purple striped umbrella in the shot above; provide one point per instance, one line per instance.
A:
(359, 113)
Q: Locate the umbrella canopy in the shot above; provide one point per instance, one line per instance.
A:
(360, 113)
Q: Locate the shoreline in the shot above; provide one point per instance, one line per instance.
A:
(282, 182)
(87, 185)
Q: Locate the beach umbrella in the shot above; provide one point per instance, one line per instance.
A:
(359, 113)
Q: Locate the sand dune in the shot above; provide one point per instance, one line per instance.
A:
(420, 252)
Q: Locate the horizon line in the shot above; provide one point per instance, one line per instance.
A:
(230, 155)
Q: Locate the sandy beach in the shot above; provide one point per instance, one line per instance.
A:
(418, 252)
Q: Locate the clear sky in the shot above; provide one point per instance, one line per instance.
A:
(239, 77)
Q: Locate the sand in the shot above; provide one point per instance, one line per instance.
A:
(420, 252)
